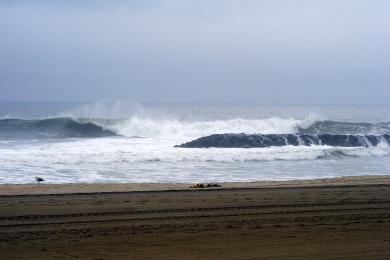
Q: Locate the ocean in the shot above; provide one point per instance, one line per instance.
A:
(117, 142)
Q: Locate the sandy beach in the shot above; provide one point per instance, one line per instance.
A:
(344, 218)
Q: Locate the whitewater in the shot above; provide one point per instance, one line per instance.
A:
(116, 143)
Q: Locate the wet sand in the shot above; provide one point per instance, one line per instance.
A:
(347, 218)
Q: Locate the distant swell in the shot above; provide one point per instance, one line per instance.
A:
(259, 140)
(50, 129)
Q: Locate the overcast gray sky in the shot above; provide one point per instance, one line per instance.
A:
(257, 51)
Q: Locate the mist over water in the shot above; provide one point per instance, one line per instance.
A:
(130, 142)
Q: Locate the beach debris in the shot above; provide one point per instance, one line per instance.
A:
(197, 186)
(39, 179)
(202, 185)
(213, 185)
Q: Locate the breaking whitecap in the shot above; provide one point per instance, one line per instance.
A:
(99, 149)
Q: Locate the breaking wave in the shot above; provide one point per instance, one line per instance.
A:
(67, 127)
(335, 127)
(50, 129)
(261, 140)
(166, 128)
(174, 128)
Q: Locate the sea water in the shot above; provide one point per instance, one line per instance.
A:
(114, 142)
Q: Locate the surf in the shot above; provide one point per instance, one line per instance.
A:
(268, 140)
(52, 128)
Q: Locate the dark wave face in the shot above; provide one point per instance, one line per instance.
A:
(52, 128)
(335, 127)
(259, 140)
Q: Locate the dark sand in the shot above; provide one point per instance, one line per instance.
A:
(345, 218)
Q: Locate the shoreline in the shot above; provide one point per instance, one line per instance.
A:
(95, 188)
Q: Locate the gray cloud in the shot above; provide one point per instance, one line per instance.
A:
(196, 51)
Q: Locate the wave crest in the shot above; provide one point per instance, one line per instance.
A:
(336, 127)
(174, 128)
(137, 126)
(51, 128)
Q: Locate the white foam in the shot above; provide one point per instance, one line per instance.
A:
(142, 160)
(156, 160)
(116, 150)
(145, 127)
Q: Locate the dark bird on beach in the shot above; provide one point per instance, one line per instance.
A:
(39, 179)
